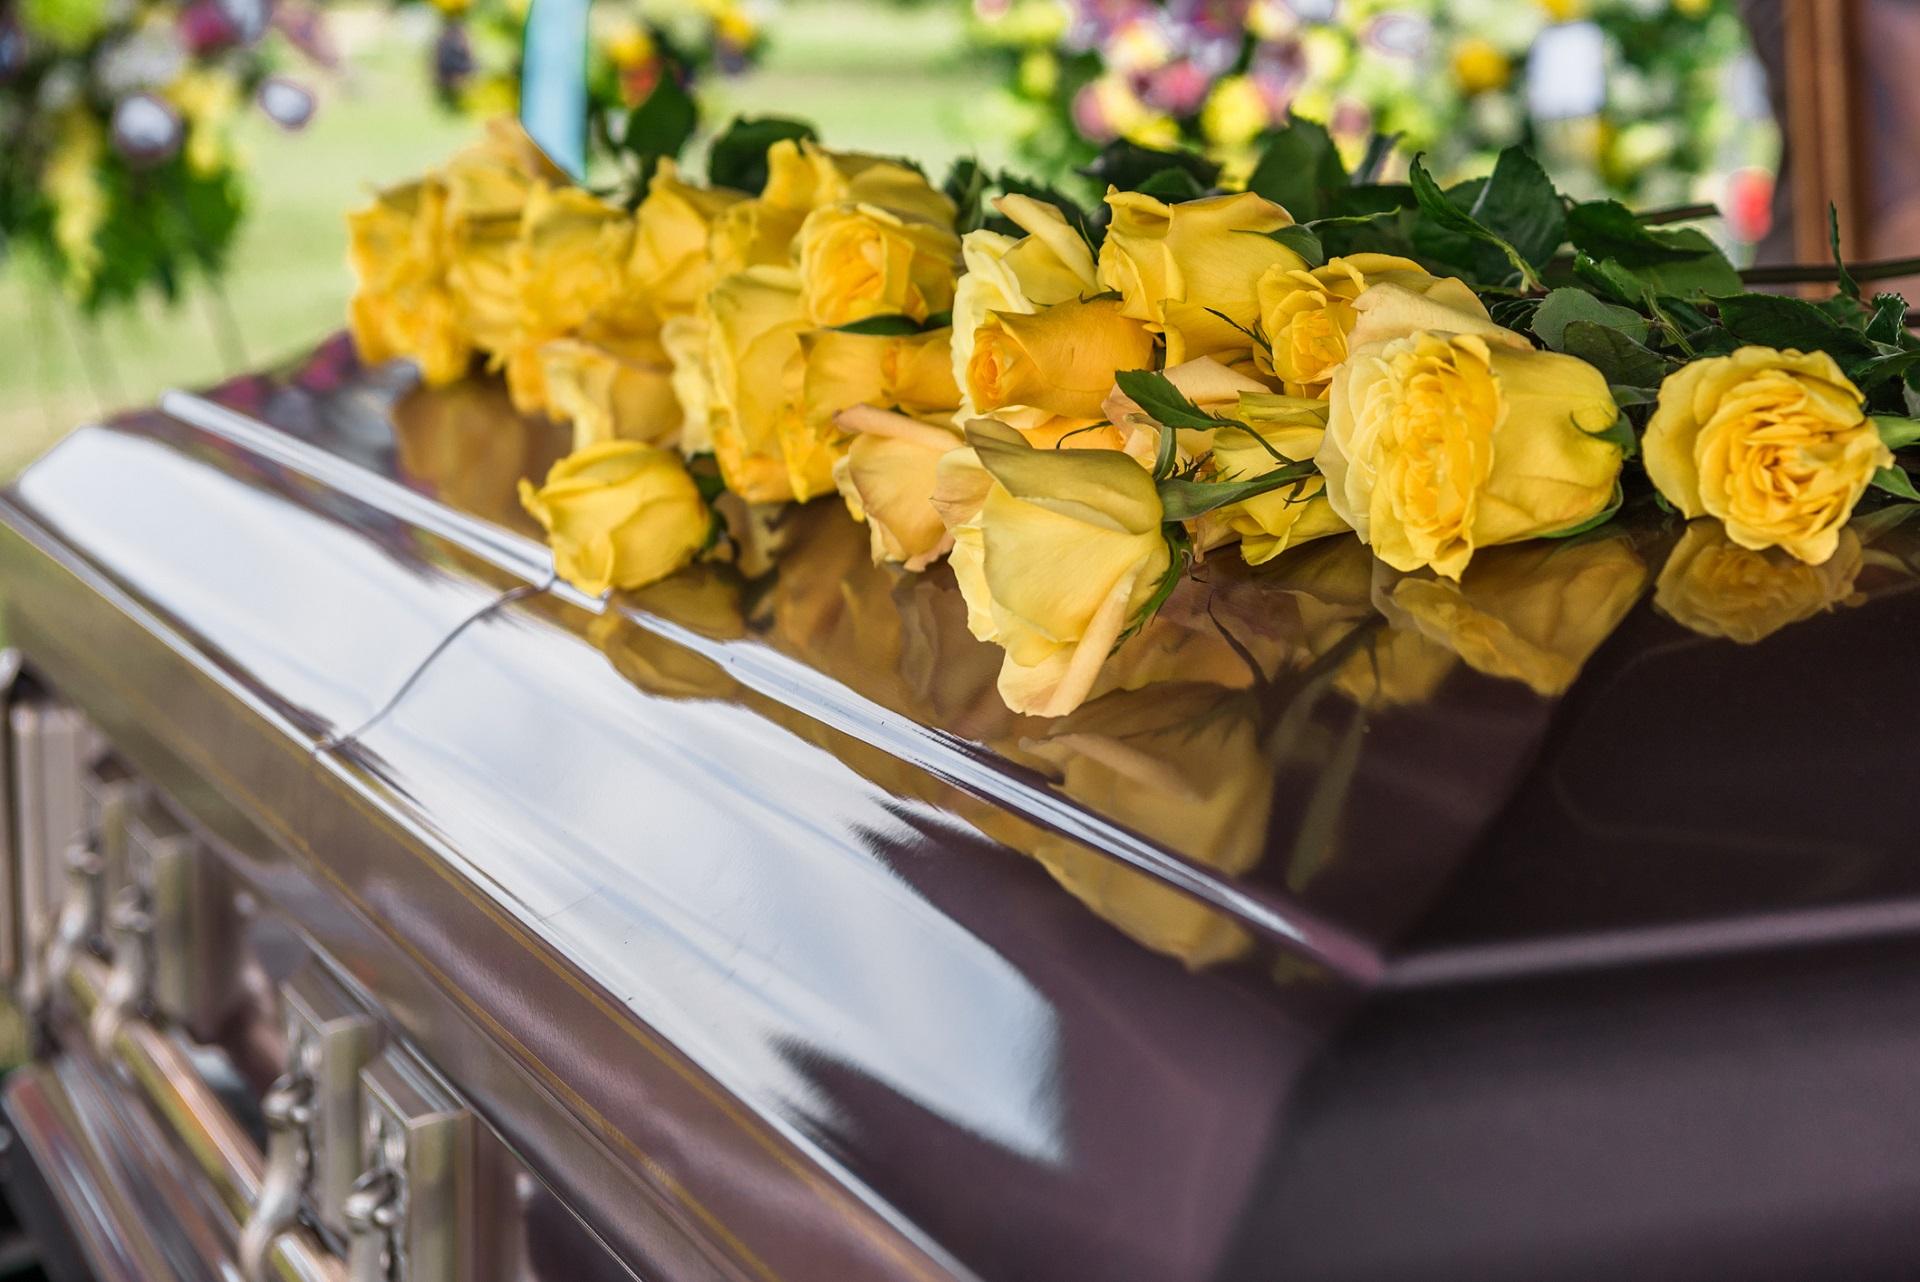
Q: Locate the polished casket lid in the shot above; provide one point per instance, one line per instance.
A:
(1363, 926)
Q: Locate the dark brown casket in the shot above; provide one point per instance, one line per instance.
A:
(744, 934)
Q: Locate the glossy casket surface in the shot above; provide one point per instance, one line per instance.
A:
(1367, 928)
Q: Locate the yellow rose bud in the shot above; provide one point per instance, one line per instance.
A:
(767, 451)
(619, 515)
(1064, 551)
(1438, 444)
(1059, 360)
(570, 259)
(858, 261)
(1715, 587)
(1776, 444)
(611, 390)
(1183, 268)
(1308, 316)
(671, 229)
(1534, 613)
(887, 478)
(1270, 523)
(1050, 264)
(910, 372)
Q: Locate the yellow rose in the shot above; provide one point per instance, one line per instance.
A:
(1064, 551)
(1438, 444)
(909, 372)
(671, 229)
(1776, 444)
(402, 305)
(1716, 587)
(684, 339)
(487, 186)
(568, 266)
(1307, 316)
(887, 478)
(1050, 264)
(767, 451)
(1058, 361)
(803, 177)
(619, 515)
(858, 261)
(1176, 266)
(1270, 523)
(611, 390)
(1534, 614)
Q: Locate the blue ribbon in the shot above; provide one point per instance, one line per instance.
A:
(553, 82)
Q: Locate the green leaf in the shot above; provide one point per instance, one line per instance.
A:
(1508, 199)
(1608, 229)
(1774, 320)
(966, 186)
(1896, 433)
(1621, 360)
(1849, 287)
(1179, 561)
(1300, 169)
(738, 157)
(881, 326)
(661, 125)
(1893, 362)
(1185, 499)
(1301, 239)
(1630, 397)
(1564, 306)
(1379, 148)
(1156, 395)
(1172, 185)
(1130, 166)
(1365, 200)
(1889, 321)
(1895, 481)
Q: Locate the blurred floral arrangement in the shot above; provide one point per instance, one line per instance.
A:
(476, 51)
(115, 124)
(1640, 100)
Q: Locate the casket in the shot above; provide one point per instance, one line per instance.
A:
(379, 907)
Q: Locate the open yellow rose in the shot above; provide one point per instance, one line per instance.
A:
(569, 265)
(619, 515)
(858, 261)
(1064, 551)
(488, 186)
(768, 452)
(670, 263)
(402, 303)
(803, 177)
(1192, 270)
(1438, 444)
(1776, 444)
(887, 478)
(1714, 586)
(611, 390)
(1307, 316)
(1270, 523)
(908, 372)
(1057, 362)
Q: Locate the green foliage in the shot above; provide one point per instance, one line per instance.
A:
(1156, 395)
(1623, 361)
(1564, 306)
(660, 126)
(1300, 169)
(1499, 230)
(1131, 167)
(738, 157)
(1895, 481)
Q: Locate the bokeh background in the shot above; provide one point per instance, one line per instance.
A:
(1659, 102)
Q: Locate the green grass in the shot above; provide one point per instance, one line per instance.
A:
(871, 76)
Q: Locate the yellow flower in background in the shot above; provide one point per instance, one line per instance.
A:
(1059, 360)
(71, 181)
(207, 101)
(619, 515)
(1064, 551)
(1715, 587)
(1050, 264)
(490, 96)
(1267, 525)
(1191, 270)
(1480, 66)
(1534, 613)
(626, 43)
(1776, 444)
(611, 390)
(1439, 444)
(1308, 316)
(1565, 10)
(887, 477)
(672, 227)
(1235, 113)
(767, 451)
(858, 261)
